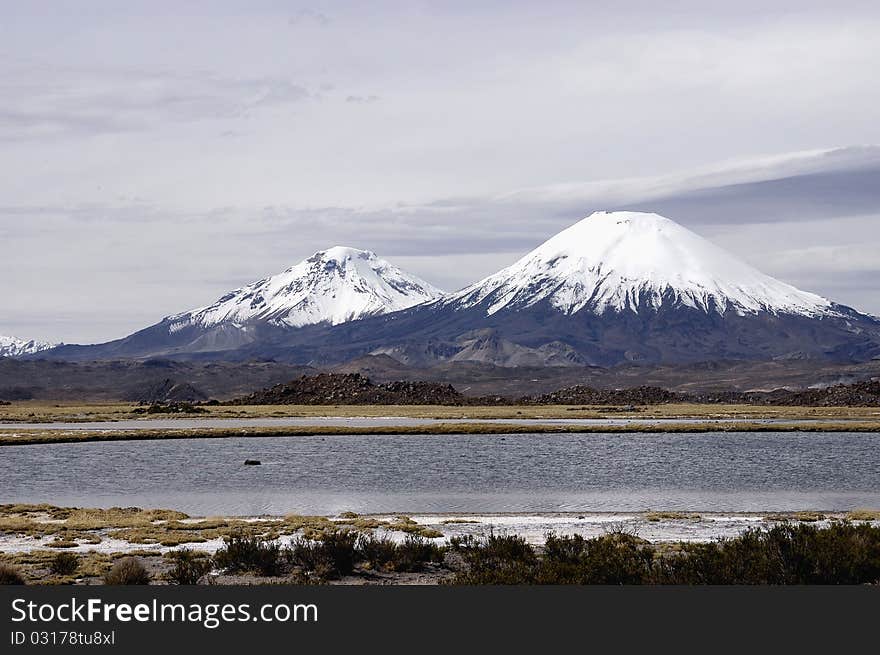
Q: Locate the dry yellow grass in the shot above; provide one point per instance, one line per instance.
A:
(35, 565)
(803, 517)
(42, 412)
(656, 517)
(864, 515)
(33, 437)
(73, 527)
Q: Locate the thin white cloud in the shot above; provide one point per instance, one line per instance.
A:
(48, 103)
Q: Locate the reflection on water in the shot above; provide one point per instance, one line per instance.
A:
(455, 473)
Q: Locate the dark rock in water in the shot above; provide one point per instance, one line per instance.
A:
(252, 462)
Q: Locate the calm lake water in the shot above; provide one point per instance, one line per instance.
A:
(722, 472)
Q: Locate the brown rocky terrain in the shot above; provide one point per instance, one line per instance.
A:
(582, 395)
(859, 394)
(166, 391)
(711, 382)
(356, 389)
(352, 389)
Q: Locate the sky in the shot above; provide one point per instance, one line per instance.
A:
(154, 155)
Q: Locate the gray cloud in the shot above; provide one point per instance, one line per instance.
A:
(817, 229)
(802, 197)
(69, 102)
(309, 16)
(153, 158)
(362, 99)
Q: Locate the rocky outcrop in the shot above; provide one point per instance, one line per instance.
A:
(353, 389)
(356, 389)
(858, 394)
(582, 395)
(167, 391)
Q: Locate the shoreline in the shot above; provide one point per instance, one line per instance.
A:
(37, 412)
(35, 538)
(37, 436)
(37, 526)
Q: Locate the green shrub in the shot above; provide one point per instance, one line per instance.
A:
(495, 560)
(10, 576)
(787, 554)
(378, 553)
(382, 553)
(612, 559)
(331, 555)
(64, 564)
(189, 567)
(127, 571)
(247, 553)
(415, 552)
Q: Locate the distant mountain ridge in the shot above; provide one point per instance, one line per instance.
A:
(15, 347)
(615, 287)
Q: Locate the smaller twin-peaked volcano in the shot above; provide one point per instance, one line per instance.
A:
(332, 286)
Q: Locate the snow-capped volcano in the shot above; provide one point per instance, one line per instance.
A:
(635, 261)
(14, 347)
(332, 286)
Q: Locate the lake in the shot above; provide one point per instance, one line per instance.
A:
(711, 472)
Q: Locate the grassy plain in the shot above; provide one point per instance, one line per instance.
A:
(45, 412)
(705, 418)
(34, 437)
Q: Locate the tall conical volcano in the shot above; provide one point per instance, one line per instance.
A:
(629, 261)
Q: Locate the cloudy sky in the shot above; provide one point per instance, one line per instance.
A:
(154, 155)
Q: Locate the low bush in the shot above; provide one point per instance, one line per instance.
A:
(247, 553)
(495, 560)
(382, 553)
(331, 555)
(64, 564)
(415, 552)
(127, 571)
(188, 567)
(378, 553)
(615, 559)
(9, 575)
(786, 554)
